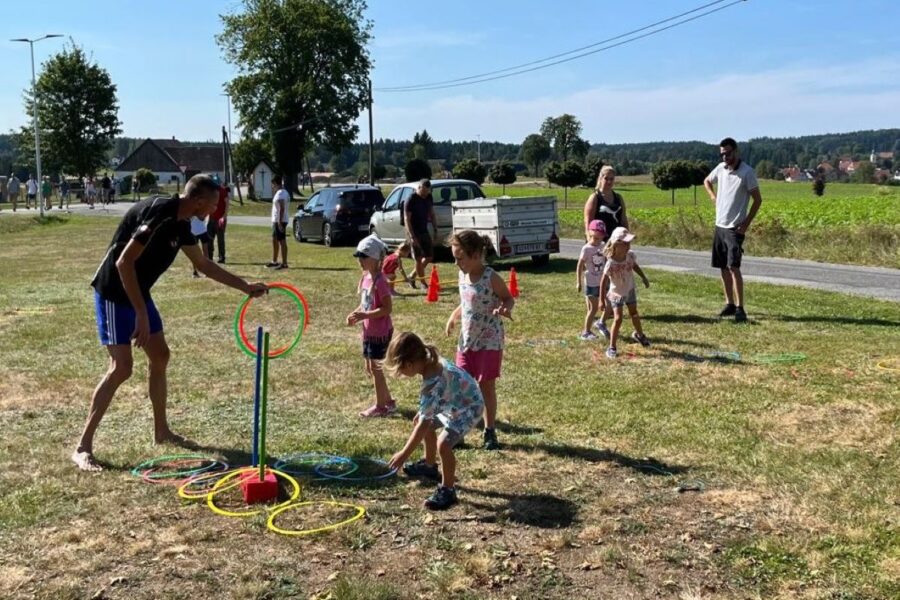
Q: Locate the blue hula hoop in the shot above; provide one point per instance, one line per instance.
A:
(320, 471)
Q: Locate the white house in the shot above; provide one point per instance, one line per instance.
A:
(262, 180)
(171, 160)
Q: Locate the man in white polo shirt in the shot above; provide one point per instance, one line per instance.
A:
(736, 183)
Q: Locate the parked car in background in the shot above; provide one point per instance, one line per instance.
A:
(337, 214)
(388, 223)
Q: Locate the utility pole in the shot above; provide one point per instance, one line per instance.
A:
(37, 124)
(371, 141)
(230, 178)
(479, 147)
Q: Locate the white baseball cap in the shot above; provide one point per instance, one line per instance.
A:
(371, 247)
(621, 234)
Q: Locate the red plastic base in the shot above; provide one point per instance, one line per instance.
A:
(256, 491)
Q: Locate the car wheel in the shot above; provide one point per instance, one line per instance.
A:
(327, 235)
(540, 260)
(298, 235)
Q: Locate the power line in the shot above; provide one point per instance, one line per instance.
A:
(520, 69)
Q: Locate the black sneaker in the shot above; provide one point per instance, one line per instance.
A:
(420, 468)
(490, 440)
(729, 310)
(442, 498)
(221, 260)
(739, 315)
(272, 265)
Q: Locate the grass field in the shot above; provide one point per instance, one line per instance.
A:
(800, 463)
(792, 222)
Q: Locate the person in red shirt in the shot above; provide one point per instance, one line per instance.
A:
(393, 262)
(215, 229)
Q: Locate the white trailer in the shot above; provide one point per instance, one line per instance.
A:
(516, 226)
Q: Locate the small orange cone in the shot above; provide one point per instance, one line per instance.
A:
(434, 286)
(513, 283)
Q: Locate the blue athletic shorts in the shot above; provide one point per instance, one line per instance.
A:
(115, 322)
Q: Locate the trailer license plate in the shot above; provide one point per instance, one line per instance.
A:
(526, 248)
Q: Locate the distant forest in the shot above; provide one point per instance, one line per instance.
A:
(629, 159)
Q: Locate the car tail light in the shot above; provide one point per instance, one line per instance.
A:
(554, 242)
(505, 248)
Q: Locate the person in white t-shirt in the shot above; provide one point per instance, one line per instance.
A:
(31, 192)
(737, 183)
(281, 202)
(198, 230)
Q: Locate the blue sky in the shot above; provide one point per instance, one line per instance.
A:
(761, 67)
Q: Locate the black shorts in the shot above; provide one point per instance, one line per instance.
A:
(423, 247)
(376, 349)
(727, 249)
(203, 238)
(278, 233)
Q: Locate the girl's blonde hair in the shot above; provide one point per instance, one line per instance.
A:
(471, 243)
(610, 248)
(603, 171)
(406, 349)
(404, 248)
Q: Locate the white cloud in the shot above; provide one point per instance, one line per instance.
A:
(784, 102)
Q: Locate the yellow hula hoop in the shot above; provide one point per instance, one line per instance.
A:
(885, 366)
(270, 523)
(186, 494)
(210, 497)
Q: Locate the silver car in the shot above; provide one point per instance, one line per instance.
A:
(388, 221)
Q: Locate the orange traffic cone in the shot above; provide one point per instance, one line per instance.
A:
(434, 286)
(513, 283)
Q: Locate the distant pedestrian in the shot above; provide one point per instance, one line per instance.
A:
(63, 192)
(105, 184)
(281, 202)
(198, 230)
(605, 204)
(135, 188)
(31, 190)
(736, 183)
(113, 189)
(418, 211)
(217, 221)
(618, 279)
(90, 191)
(47, 193)
(13, 189)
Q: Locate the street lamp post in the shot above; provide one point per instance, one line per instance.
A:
(37, 125)
(230, 177)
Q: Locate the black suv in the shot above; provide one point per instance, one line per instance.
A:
(339, 213)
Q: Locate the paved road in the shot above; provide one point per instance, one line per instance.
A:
(875, 282)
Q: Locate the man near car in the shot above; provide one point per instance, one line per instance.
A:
(736, 184)
(418, 211)
(281, 201)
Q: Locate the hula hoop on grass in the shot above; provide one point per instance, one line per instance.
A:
(320, 469)
(251, 472)
(156, 463)
(725, 356)
(152, 476)
(781, 358)
(886, 364)
(312, 460)
(240, 333)
(270, 523)
(208, 480)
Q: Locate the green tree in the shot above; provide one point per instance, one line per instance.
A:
(592, 166)
(146, 179)
(78, 112)
(765, 169)
(864, 172)
(567, 174)
(248, 153)
(303, 71)
(417, 169)
(564, 133)
(673, 175)
(424, 140)
(503, 173)
(470, 169)
(535, 150)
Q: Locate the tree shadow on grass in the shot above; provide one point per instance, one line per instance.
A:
(646, 466)
(536, 510)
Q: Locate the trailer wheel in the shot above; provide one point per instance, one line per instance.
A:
(540, 260)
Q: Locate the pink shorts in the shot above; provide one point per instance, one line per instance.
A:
(483, 365)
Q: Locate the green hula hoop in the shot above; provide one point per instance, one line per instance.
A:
(270, 523)
(138, 471)
(240, 335)
(775, 359)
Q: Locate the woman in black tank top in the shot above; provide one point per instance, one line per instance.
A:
(605, 204)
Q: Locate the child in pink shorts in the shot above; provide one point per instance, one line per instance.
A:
(483, 299)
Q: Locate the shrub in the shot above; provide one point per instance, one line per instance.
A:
(818, 186)
(470, 169)
(146, 179)
(417, 169)
(503, 173)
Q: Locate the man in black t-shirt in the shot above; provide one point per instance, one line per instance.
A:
(143, 247)
(418, 211)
